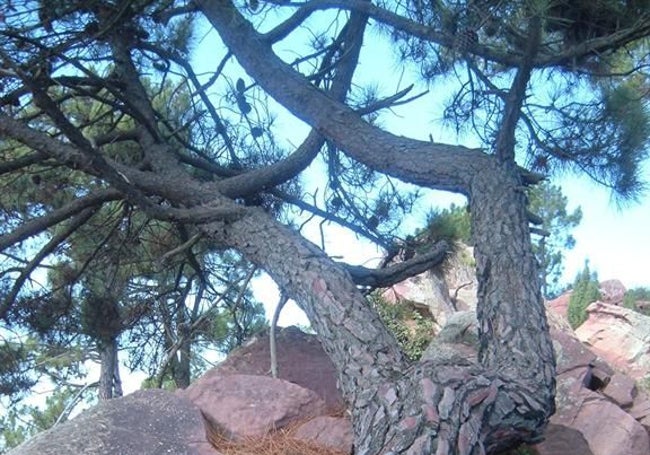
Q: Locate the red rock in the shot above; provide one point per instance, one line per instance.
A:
(245, 405)
(620, 336)
(617, 434)
(331, 432)
(612, 292)
(571, 355)
(621, 390)
(640, 410)
(563, 440)
(560, 304)
(301, 360)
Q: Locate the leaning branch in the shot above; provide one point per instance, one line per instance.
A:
(388, 276)
(38, 225)
(48, 249)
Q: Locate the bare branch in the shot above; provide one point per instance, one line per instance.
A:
(384, 277)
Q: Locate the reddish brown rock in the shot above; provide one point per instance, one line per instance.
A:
(331, 432)
(621, 390)
(245, 405)
(560, 304)
(618, 335)
(617, 434)
(148, 422)
(640, 410)
(301, 360)
(563, 440)
(612, 292)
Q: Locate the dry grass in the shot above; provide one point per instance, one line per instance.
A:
(279, 442)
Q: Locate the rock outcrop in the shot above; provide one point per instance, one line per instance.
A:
(241, 405)
(148, 422)
(620, 336)
(300, 360)
(441, 291)
(600, 410)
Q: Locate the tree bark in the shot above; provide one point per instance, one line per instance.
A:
(450, 406)
(109, 382)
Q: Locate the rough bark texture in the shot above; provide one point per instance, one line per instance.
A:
(109, 376)
(452, 407)
(447, 406)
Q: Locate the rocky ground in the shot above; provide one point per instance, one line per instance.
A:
(237, 408)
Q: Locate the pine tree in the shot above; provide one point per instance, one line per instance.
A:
(585, 291)
(541, 86)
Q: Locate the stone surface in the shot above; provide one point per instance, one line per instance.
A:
(618, 434)
(563, 440)
(331, 432)
(560, 304)
(245, 405)
(640, 410)
(442, 291)
(148, 422)
(612, 292)
(618, 335)
(458, 338)
(301, 360)
(621, 390)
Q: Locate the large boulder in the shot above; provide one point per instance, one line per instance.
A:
(612, 292)
(300, 359)
(240, 405)
(618, 335)
(148, 422)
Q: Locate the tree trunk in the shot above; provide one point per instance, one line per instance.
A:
(448, 406)
(181, 363)
(109, 382)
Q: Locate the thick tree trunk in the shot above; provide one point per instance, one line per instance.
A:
(449, 406)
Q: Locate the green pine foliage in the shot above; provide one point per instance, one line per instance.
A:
(24, 421)
(451, 224)
(585, 291)
(549, 203)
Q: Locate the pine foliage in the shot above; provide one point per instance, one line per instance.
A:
(585, 291)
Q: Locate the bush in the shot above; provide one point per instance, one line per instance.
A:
(412, 330)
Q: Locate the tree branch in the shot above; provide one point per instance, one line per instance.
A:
(38, 225)
(379, 278)
(415, 161)
(75, 223)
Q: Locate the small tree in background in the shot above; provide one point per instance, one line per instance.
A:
(547, 201)
(585, 291)
(633, 296)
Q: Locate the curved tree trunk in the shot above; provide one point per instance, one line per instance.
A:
(450, 406)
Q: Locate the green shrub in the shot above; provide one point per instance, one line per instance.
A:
(412, 329)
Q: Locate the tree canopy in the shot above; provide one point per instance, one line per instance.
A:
(126, 149)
